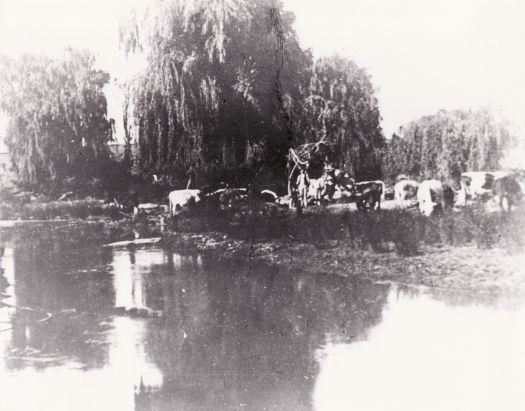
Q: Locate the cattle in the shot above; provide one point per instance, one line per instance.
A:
(284, 200)
(321, 188)
(368, 195)
(480, 182)
(405, 190)
(315, 190)
(434, 196)
(269, 196)
(220, 191)
(343, 196)
(461, 190)
(365, 184)
(507, 191)
(344, 187)
(148, 208)
(229, 197)
(179, 199)
(343, 181)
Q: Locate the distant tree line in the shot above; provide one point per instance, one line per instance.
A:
(446, 144)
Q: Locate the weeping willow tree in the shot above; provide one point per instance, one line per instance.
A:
(448, 143)
(58, 125)
(340, 109)
(219, 76)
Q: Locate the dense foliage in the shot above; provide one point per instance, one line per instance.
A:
(339, 106)
(446, 144)
(228, 88)
(58, 125)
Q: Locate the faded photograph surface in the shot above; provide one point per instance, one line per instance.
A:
(262, 205)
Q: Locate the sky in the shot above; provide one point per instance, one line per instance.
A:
(423, 55)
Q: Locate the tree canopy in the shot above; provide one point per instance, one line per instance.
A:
(340, 107)
(228, 87)
(58, 123)
(207, 100)
(446, 144)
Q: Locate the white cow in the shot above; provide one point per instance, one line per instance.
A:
(405, 190)
(179, 199)
(431, 196)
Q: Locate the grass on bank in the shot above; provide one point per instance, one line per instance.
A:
(403, 231)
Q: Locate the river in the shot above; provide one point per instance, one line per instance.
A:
(83, 327)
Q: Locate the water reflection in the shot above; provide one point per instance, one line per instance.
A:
(230, 338)
(426, 355)
(147, 329)
(228, 335)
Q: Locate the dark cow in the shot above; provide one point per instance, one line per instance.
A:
(368, 195)
(343, 181)
(229, 197)
(269, 196)
(507, 190)
(480, 182)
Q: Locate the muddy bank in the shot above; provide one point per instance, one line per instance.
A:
(463, 269)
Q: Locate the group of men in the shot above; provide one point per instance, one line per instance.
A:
(431, 195)
(336, 184)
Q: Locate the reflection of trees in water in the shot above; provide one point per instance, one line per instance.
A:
(6, 270)
(227, 335)
(459, 296)
(50, 277)
(229, 338)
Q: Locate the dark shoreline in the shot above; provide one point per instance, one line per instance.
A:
(480, 256)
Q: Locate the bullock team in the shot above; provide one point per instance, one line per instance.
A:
(477, 186)
(337, 186)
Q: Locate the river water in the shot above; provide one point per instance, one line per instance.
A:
(83, 327)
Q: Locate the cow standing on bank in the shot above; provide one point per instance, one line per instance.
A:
(434, 196)
(405, 190)
(368, 195)
(507, 191)
(179, 199)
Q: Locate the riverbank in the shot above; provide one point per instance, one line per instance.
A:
(462, 269)
(468, 251)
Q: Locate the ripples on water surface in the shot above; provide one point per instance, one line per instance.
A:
(234, 337)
